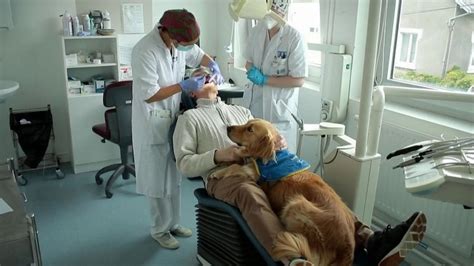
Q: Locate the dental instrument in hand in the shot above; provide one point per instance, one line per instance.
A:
(212, 79)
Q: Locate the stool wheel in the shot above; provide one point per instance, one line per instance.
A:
(109, 194)
(99, 180)
(21, 180)
(59, 174)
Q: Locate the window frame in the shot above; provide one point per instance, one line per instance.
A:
(470, 68)
(385, 70)
(411, 32)
(314, 70)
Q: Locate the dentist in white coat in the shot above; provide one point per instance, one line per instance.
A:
(158, 63)
(276, 66)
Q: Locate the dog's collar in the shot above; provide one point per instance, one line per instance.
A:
(285, 164)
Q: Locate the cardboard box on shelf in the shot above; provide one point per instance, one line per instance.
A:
(75, 90)
(71, 59)
(74, 84)
(88, 89)
(99, 85)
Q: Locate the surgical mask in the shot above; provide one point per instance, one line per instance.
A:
(184, 48)
(269, 22)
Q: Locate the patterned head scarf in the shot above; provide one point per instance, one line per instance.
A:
(280, 6)
(180, 24)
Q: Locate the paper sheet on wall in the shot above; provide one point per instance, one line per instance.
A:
(4, 207)
(125, 46)
(132, 18)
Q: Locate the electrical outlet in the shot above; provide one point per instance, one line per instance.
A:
(326, 110)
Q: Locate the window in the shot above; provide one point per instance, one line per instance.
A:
(407, 47)
(470, 69)
(304, 16)
(433, 45)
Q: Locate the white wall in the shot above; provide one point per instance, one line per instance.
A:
(3, 37)
(114, 7)
(205, 12)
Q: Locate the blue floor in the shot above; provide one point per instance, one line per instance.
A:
(78, 226)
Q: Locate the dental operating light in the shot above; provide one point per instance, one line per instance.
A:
(253, 9)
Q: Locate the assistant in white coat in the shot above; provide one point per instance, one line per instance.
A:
(158, 63)
(279, 53)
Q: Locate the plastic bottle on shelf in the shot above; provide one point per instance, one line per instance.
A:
(67, 24)
(106, 20)
(86, 23)
(75, 25)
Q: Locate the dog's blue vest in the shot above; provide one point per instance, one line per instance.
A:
(285, 164)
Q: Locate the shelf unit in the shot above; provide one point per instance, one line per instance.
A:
(87, 110)
(92, 65)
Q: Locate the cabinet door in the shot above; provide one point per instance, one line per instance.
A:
(89, 153)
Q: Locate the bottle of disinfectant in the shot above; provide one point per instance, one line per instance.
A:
(75, 26)
(106, 20)
(86, 23)
(67, 24)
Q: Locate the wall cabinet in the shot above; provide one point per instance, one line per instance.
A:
(85, 105)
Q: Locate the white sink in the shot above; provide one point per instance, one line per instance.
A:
(7, 89)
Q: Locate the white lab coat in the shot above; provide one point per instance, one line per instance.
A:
(283, 55)
(153, 67)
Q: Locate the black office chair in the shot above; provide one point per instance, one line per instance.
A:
(117, 129)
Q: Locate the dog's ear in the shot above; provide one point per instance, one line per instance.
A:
(264, 148)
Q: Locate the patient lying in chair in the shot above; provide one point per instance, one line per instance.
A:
(201, 146)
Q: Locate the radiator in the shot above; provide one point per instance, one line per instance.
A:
(449, 227)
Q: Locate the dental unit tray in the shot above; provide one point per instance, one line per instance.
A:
(440, 170)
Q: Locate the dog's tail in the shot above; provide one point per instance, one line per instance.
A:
(291, 245)
(302, 216)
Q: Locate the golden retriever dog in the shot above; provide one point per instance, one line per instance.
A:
(319, 225)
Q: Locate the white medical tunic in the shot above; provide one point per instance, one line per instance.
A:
(283, 55)
(155, 66)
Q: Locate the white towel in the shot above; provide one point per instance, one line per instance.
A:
(5, 14)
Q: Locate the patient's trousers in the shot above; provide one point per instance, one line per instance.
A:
(252, 202)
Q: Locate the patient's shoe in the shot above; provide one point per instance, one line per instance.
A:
(166, 240)
(391, 246)
(179, 230)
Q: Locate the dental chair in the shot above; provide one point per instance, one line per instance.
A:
(117, 129)
(224, 238)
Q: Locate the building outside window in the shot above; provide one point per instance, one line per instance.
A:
(304, 15)
(407, 48)
(434, 45)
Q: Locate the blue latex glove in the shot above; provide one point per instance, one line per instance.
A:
(256, 76)
(192, 84)
(216, 73)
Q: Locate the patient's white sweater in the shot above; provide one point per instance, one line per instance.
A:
(199, 132)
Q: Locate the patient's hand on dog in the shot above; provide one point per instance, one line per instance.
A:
(234, 157)
(230, 155)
